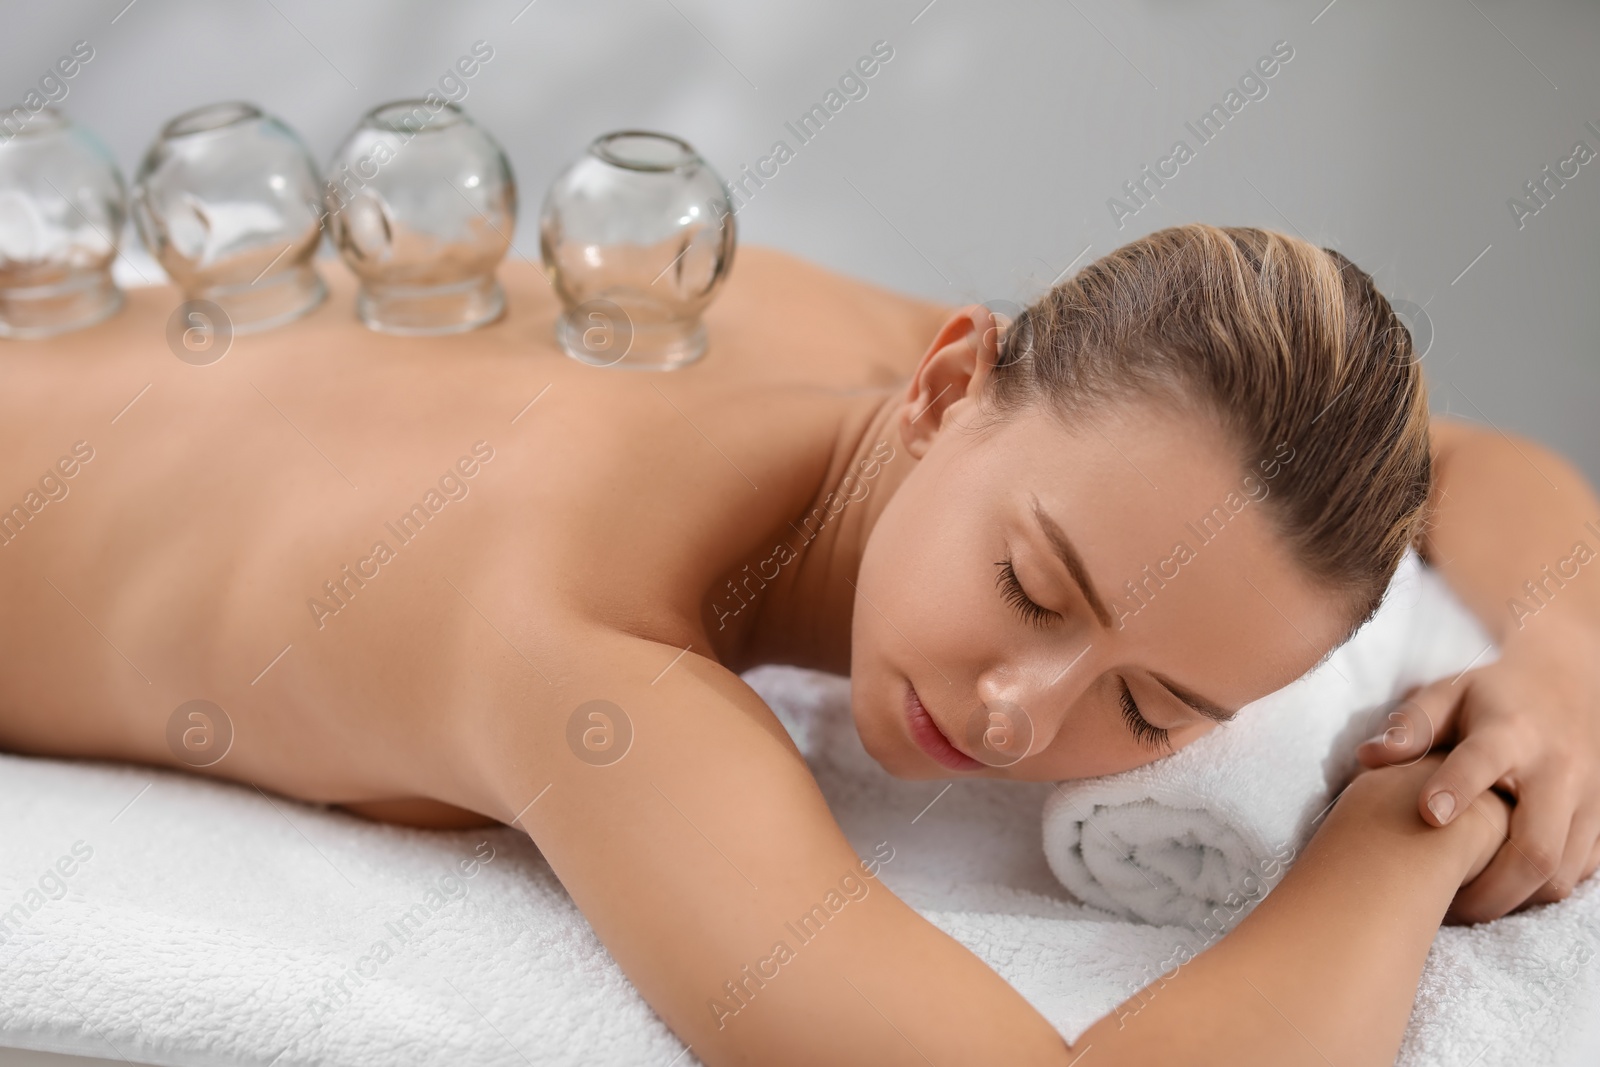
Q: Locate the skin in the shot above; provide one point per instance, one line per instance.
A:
(929, 611)
(442, 692)
(1506, 514)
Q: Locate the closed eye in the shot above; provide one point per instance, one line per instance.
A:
(1147, 735)
(1011, 589)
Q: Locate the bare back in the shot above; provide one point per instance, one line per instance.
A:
(346, 540)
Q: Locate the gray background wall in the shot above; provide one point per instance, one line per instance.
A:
(981, 161)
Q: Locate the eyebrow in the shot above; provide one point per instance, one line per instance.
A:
(1215, 712)
(1072, 561)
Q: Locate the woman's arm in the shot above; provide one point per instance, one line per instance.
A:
(1325, 969)
(1516, 532)
(1506, 514)
(707, 861)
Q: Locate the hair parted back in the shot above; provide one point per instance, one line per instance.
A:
(1283, 343)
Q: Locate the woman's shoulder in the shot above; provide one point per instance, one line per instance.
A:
(805, 306)
(770, 266)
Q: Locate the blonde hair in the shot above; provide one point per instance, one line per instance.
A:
(1281, 342)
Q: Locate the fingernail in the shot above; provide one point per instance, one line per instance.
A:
(1443, 805)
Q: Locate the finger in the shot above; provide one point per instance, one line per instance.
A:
(1405, 732)
(1478, 762)
(1530, 856)
(1580, 843)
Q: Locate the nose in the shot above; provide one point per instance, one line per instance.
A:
(1024, 703)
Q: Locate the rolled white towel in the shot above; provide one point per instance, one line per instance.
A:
(1200, 836)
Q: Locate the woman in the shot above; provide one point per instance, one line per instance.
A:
(441, 581)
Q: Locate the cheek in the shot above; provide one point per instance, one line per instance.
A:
(910, 618)
(1094, 740)
(916, 598)
(1090, 741)
(885, 595)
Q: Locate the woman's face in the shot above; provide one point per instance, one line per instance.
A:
(1043, 602)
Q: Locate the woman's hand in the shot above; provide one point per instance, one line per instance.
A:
(1529, 723)
(1514, 529)
(1344, 936)
(1385, 797)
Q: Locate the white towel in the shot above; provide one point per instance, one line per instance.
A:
(1199, 837)
(210, 923)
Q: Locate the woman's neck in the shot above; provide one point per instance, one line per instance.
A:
(806, 615)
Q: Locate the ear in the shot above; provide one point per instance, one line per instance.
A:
(952, 372)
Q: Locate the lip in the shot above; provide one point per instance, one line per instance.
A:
(926, 733)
